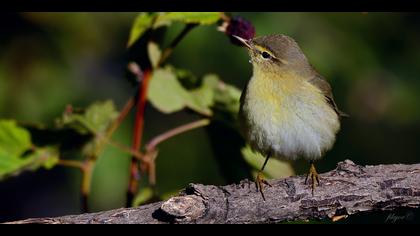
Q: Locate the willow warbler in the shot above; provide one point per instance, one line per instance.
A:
(287, 109)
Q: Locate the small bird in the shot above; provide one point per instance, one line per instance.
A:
(287, 109)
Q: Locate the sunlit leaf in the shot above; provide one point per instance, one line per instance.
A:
(17, 154)
(202, 98)
(203, 18)
(100, 114)
(14, 140)
(166, 93)
(142, 22)
(94, 120)
(274, 168)
(154, 53)
(46, 157)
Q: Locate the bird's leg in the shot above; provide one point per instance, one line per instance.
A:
(313, 175)
(260, 178)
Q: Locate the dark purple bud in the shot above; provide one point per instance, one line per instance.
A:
(240, 27)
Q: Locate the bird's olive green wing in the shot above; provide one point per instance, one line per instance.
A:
(325, 87)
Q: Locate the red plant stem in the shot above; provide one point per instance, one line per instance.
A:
(137, 136)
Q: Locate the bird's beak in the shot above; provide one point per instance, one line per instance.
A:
(245, 42)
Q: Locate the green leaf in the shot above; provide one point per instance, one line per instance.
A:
(94, 120)
(14, 140)
(145, 21)
(186, 77)
(274, 168)
(203, 18)
(17, 153)
(12, 165)
(99, 115)
(46, 157)
(52, 155)
(154, 53)
(202, 99)
(166, 93)
(227, 97)
(141, 24)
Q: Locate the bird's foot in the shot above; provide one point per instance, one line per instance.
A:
(260, 181)
(314, 177)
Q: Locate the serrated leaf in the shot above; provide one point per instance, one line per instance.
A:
(168, 95)
(165, 92)
(274, 168)
(46, 157)
(17, 153)
(99, 115)
(14, 140)
(53, 157)
(203, 18)
(141, 24)
(11, 165)
(154, 53)
(144, 21)
(94, 120)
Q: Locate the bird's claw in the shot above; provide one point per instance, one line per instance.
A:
(260, 181)
(314, 177)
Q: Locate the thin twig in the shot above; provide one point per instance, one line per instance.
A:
(122, 115)
(175, 131)
(115, 124)
(71, 163)
(168, 51)
(122, 147)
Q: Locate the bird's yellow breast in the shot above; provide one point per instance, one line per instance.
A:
(286, 116)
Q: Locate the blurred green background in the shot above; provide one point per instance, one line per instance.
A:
(49, 60)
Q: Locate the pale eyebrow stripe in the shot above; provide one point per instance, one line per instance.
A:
(261, 48)
(270, 51)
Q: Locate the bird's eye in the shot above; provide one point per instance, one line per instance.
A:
(265, 55)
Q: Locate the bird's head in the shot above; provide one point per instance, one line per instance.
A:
(274, 53)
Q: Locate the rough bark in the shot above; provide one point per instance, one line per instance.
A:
(347, 190)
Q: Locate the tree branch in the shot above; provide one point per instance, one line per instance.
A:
(347, 190)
